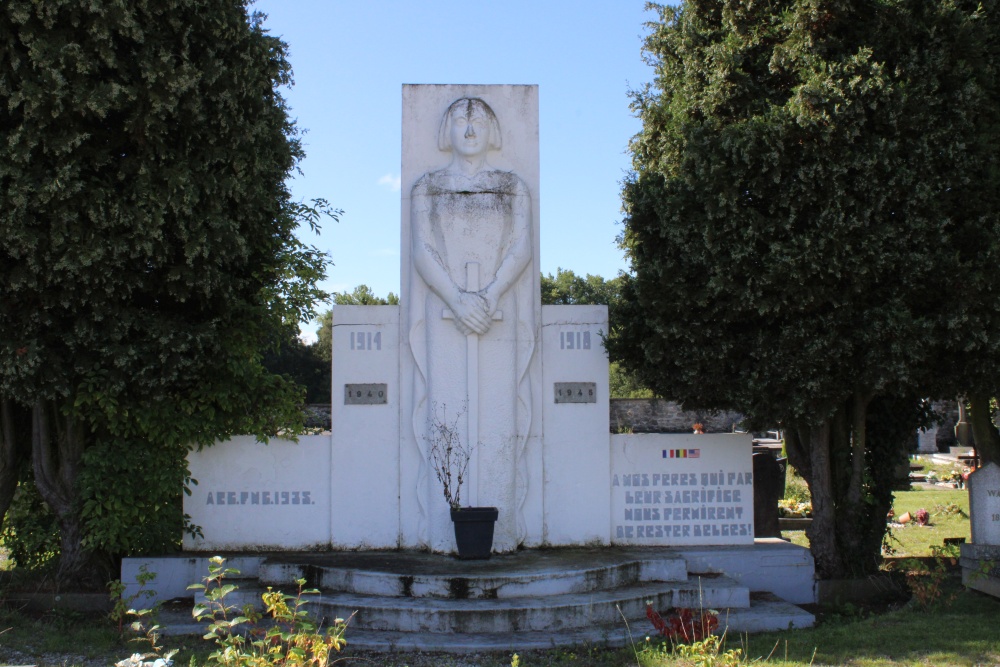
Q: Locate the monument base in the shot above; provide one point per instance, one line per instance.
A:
(419, 600)
(981, 567)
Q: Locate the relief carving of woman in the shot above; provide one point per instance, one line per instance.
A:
(471, 245)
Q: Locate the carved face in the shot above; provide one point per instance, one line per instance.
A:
(470, 130)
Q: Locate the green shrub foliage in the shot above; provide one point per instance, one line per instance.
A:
(150, 254)
(131, 497)
(814, 185)
(30, 531)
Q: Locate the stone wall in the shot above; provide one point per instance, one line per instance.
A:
(655, 415)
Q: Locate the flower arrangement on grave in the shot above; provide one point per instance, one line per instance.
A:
(449, 456)
(699, 428)
(793, 509)
(922, 517)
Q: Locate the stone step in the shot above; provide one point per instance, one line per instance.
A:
(766, 613)
(763, 615)
(551, 613)
(429, 614)
(427, 575)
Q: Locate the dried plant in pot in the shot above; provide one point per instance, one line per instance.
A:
(449, 457)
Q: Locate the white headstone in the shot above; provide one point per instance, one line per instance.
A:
(927, 440)
(984, 504)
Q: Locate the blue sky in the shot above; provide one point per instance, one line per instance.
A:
(351, 58)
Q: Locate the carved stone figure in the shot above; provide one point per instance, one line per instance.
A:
(472, 322)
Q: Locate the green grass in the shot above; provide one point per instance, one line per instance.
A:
(70, 638)
(79, 635)
(949, 510)
(964, 633)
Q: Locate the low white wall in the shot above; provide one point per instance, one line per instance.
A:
(256, 497)
(672, 490)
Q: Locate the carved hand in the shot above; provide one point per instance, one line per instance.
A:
(471, 314)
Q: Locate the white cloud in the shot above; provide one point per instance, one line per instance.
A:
(392, 181)
(307, 337)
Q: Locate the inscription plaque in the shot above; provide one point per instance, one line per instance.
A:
(365, 394)
(576, 392)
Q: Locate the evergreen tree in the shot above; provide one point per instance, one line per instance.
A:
(796, 190)
(149, 253)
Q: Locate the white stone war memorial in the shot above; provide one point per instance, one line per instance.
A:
(470, 345)
(523, 386)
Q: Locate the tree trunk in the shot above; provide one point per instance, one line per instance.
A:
(12, 453)
(797, 452)
(984, 431)
(57, 448)
(853, 508)
(848, 462)
(822, 532)
(859, 419)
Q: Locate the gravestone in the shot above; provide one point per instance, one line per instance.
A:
(768, 488)
(980, 560)
(984, 504)
(927, 440)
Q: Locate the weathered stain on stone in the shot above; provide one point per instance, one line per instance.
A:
(313, 576)
(458, 588)
(406, 586)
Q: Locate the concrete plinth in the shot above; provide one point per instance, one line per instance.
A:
(529, 599)
(981, 567)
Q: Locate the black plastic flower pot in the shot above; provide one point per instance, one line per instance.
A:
(474, 531)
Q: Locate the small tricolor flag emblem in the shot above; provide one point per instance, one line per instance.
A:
(681, 453)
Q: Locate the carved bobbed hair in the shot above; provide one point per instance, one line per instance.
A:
(471, 105)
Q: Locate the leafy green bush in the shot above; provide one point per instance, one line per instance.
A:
(141, 512)
(291, 640)
(30, 530)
